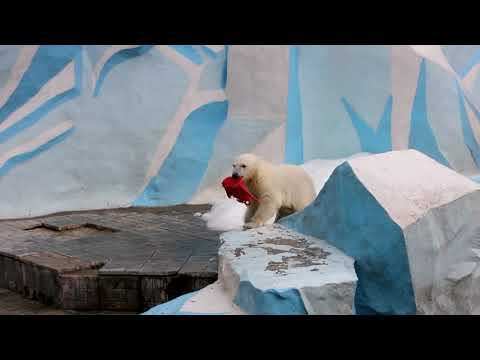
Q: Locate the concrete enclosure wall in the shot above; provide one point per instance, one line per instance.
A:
(85, 127)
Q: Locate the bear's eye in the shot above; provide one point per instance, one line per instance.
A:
(244, 166)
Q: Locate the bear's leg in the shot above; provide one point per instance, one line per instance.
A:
(283, 212)
(251, 209)
(267, 209)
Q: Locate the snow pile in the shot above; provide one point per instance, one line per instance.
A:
(227, 214)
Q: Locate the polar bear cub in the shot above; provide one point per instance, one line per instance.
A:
(280, 189)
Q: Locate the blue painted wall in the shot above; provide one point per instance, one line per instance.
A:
(120, 104)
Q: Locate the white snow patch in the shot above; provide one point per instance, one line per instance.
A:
(225, 215)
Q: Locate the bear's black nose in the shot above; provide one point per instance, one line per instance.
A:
(235, 176)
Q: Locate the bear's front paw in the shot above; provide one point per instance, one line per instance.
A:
(250, 225)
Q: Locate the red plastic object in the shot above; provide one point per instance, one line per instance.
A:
(238, 189)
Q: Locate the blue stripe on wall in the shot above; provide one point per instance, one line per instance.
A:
(294, 132)
(421, 134)
(225, 69)
(349, 217)
(468, 135)
(116, 59)
(474, 109)
(473, 61)
(185, 166)
(189, 52)
(213, 73)
(49, 105)
(373, 141)
(210, 53)
(21, 158)
(36, 115)
(95, 52)
(48, 61)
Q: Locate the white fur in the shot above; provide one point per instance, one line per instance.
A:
(280, 189)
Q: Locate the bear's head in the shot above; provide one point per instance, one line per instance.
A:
(245, 166)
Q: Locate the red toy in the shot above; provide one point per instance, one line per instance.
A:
(237, 188)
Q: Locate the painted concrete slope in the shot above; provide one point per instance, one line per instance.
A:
(273, 271)
(398, 215)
